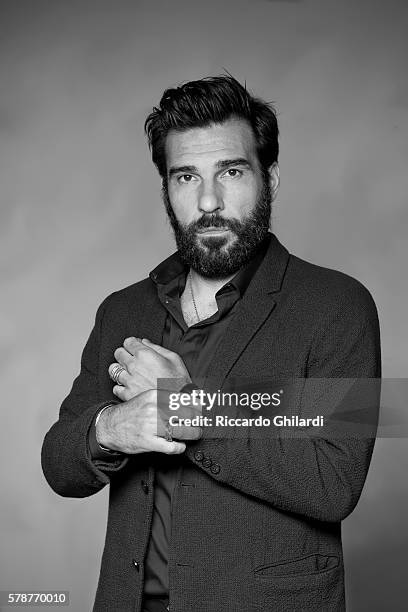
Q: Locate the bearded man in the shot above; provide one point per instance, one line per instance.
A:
(198, 521)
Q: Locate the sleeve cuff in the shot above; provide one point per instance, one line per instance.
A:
(98, 452)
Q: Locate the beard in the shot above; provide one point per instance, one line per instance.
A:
(212, 256)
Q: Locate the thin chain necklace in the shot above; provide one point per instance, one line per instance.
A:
(192, 296)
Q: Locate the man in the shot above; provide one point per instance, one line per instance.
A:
(198, 520)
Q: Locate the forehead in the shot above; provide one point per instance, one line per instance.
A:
(231, 139)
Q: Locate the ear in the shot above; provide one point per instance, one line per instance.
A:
(274, 179)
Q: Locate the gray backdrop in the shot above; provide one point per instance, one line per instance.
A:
(81, 216)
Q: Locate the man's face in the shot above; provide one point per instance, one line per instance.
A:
(217, 198)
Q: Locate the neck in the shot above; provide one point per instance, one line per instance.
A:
(207, 287)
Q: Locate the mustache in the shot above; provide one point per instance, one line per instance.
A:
(213, 221)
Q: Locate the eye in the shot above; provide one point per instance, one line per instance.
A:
(233, 173)
(185, 178)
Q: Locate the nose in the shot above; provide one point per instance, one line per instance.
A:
(210, 199)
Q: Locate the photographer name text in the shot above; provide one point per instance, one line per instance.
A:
(260, 421)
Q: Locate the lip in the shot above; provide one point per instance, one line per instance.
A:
(213, 231)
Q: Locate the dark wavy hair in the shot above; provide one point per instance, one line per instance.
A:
(206, 101)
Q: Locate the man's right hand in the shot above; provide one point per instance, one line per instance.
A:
(137, 426)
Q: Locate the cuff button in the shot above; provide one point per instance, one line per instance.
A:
(207, 462)
(198, 455)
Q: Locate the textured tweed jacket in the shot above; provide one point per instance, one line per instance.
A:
(262, 531)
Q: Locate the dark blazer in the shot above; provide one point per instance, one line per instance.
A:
(262, 531)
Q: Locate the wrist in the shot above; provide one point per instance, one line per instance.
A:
(102, 427)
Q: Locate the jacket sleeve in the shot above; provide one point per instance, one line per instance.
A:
(319, 476)
(66, 460)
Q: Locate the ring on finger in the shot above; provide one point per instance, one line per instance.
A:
(115, 373)
(168, 433)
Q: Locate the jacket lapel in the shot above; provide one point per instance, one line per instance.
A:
(253, 309)
(153, 318)
(246, 322)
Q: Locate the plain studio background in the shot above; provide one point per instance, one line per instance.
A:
(81, 216)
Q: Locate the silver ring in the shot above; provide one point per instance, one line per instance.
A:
(116, 372)
(168, 432)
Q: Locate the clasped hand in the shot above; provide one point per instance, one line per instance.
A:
(145, 363)
(138, 424)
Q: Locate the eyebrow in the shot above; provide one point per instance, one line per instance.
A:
(221, 164)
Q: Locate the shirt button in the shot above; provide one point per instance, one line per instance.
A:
(136, 564)
(145, 487)
(207, 462)
(198, 455)
(215, 468)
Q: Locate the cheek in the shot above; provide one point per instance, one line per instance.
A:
(183, 204)
(241, 198)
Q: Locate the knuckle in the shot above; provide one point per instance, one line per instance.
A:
(117, 353)
(146, 410)
(174, 449)
(126, 394)
(131, 367)
(130, 386)
(151, 410)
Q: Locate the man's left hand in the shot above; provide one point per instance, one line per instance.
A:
(144, 363)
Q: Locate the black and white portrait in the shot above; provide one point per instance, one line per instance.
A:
(203, 218)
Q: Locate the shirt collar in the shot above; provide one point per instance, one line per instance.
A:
(173, 267)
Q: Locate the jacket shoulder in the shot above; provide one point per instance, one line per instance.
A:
(330, 292)
(128, 299)
(140, 289)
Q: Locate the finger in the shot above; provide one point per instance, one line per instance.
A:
(123, 357)
(124, 393)
(120, 392)
(159, 349)
(176, 430)
(132, 344)
(123, 375)
(160, 445)
(186, 432)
